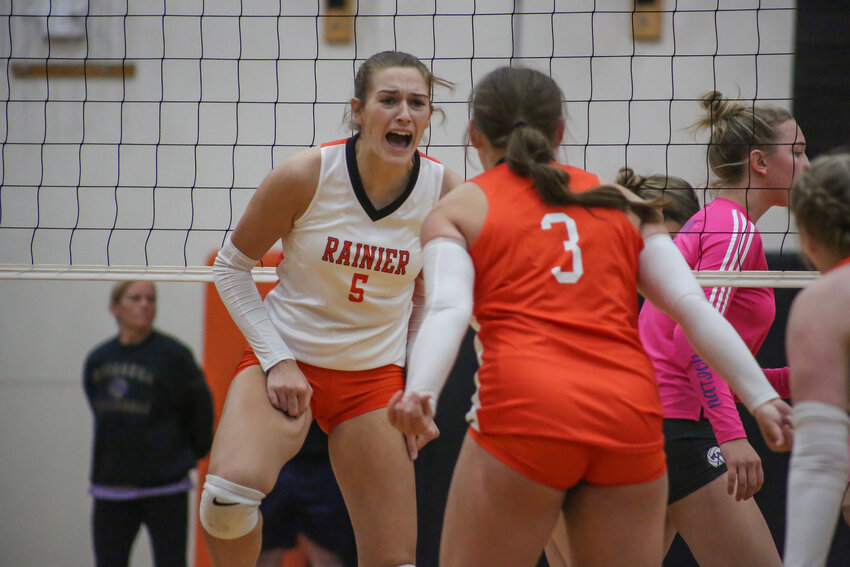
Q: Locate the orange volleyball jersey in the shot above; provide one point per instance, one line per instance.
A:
(556, 303)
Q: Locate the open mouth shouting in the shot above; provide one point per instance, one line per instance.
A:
(399, 140)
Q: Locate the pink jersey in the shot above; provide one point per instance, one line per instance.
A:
(719, 237)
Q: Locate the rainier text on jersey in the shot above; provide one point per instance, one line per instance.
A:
(359, 255)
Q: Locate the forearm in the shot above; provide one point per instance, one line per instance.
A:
(417, 314)
(236, 287)
(816, 481)
(449, 278)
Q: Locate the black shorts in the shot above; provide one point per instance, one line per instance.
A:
(307, 500)
(693, 456)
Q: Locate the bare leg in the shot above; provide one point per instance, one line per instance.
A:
(611, 526)
(369, 458)
(558, 547)
(252, 443)
(722, 531)
(669, 533)
(494, 514)
(270, 558)
(318, 556)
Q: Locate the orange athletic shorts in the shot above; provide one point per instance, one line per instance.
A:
(562, 464)
(339, 395)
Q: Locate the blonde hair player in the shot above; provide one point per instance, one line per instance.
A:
(755, 152)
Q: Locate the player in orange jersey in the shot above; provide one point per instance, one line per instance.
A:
(567, 415)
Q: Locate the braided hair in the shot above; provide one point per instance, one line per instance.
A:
(820, 202)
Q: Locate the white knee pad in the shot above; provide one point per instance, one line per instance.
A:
(228, 510)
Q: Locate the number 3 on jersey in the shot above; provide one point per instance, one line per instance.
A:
(570, 245)
(355, 294)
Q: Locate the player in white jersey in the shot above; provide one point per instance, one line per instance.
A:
(329, 341)
(361, 262)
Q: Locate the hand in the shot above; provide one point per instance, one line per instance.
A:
(416, 442)
(745, 475)
(845, 506)
(411, 414)
(774, 419)
(288, 389)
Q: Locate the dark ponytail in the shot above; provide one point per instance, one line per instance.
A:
(680, 201)
(521, 111)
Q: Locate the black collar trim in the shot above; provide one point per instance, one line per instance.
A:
(360, 192)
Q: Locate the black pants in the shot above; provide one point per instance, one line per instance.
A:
(115, 525)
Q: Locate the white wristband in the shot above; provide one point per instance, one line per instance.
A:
(236, 287)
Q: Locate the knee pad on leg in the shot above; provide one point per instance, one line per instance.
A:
(228, 510)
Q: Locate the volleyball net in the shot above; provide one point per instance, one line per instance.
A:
(134, 133)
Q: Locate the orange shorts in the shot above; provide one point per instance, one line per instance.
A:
(339, 395)
(561, 464)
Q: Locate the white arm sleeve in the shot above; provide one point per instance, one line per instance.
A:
(449, 279)
(667, 281)
(817, 479)
(236, 287)
(416, 315)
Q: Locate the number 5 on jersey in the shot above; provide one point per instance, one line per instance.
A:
(570, 245)
(355, 294)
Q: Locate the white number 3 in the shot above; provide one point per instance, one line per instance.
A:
(570, 245)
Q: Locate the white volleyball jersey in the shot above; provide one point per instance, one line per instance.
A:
(346, 279)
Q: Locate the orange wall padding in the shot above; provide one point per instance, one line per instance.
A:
(223, 348)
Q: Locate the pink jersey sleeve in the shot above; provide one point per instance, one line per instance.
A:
(715, 396)
(779, 378)
(719, 237)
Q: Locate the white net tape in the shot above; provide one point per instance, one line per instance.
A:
(771, 278)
